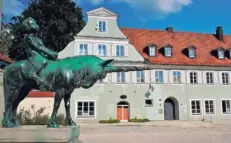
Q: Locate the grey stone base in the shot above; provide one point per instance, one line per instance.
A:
(32, 134)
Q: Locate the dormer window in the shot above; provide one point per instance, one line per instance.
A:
(168, 51)
(220, 53)
(152, 50)
(191, 52)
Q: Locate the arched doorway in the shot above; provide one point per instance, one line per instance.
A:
(171, 109)
(123, 111)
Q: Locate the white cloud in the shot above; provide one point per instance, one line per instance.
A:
(152, 9)
(12, 8)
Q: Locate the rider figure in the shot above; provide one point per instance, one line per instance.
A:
(33, 47)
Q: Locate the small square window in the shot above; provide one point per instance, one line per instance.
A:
(149, 102)
(191, 53)
(220, 53)
(168, 51)
(152, 51)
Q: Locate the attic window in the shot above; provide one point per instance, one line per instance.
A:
(220, 53)
(168, 51)
(191, 52)
(152, 50)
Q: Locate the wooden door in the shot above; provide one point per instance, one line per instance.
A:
(125, 113)
(119, 113)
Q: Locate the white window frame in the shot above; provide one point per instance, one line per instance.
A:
(99, 26)
(166, 49)
(100, 47)
(223, 78)
(140, 80)
(220, 53)
(84, 52)
(191, 53)
(214, 107)
(120, 50)
(152, 51)
(209, 77)
(193, 77)
(178, 77)
(76, 109)
(201, 105)
(222, 106)
(119, 74)
(157, 76)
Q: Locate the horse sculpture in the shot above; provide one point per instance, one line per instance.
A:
(63, 76)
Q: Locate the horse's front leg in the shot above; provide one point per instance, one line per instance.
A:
(68, 120)
(52, 123)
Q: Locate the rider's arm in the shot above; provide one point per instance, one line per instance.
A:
(40, 48)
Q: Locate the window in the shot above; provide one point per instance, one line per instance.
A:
(119, 50)
(176, 77)
(140, 76)
(209, 107)
(148, 102)
(85, 109)
(102, 50)
(83, 49)
(196, 107)
(226, 106)
(159, 77)
(220, 54)
(209, 78)
(102, 26)
(168, 51)
(191, 53)
(120, 77)
(193, 77)
(152, 51)
(225, 78)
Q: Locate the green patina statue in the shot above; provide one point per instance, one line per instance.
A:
(42, 71)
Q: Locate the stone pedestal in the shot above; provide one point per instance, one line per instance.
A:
(32, 134)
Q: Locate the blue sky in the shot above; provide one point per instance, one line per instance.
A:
(183, 15)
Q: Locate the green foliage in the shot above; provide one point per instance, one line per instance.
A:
(32, 117)
(5, 38)
(138, 120)
(110, 121)
(59, 21)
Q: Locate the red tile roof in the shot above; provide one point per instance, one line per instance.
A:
(5, 58)
(204, 43)
(40, 94)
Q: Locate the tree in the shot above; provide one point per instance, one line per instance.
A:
(5, 38)
(59, 21)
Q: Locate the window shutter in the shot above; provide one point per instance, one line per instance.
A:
(113, 51)
(204, 78)
(133, 77)
(105, 79)
(220, 77)
(90, 49)
(165, 76)
(127, 77)
(113, 75)
(152, 74)
(199, 76)
(182, 76)
(147, 76)
(187, 76)
(126, 50)
(96, 51)
(76, 48)
(215, 77)
(170, 74)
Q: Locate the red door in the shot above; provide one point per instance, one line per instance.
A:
(119, 113)
(125, 113)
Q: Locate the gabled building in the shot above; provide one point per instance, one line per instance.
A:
(191, 79)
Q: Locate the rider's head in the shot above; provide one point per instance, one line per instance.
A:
(29, 25)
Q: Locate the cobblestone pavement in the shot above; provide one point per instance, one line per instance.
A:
(154, 134)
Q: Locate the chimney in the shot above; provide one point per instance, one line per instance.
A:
(169, 29)
(219, 33)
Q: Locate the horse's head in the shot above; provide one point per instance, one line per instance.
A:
(97, 69)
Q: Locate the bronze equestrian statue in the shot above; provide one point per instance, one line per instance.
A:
(42, 71)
